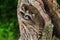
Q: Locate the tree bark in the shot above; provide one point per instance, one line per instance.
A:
(39, 19)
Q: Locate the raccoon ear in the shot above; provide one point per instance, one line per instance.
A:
(25, 7)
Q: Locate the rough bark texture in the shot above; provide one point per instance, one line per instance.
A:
(39, 19)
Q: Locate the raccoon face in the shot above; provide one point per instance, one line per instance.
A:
(29, 14)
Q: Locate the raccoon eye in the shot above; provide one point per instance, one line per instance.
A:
(27, 17)
(22, 13)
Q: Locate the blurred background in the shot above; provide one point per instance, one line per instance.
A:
(9, 28)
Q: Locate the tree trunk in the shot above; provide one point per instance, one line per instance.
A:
(39, 19)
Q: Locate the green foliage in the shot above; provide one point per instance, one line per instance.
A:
(9, 29)
(58, 2)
